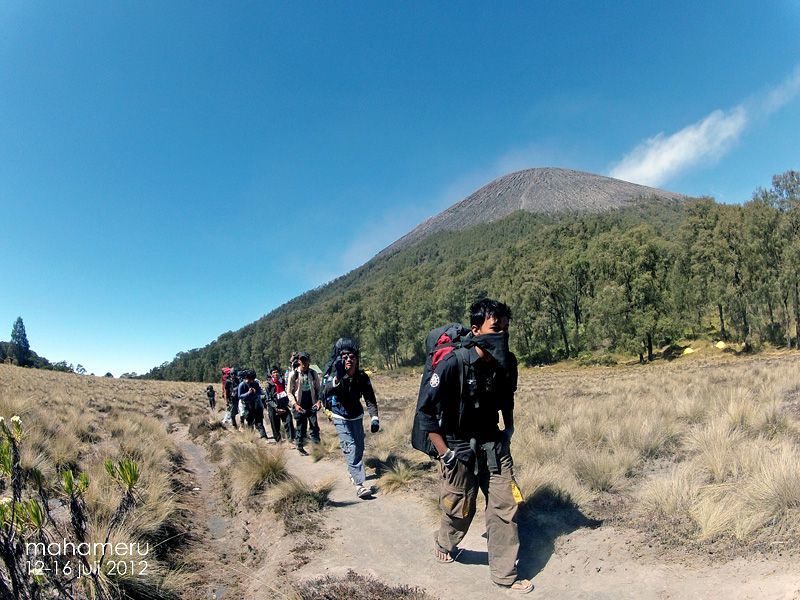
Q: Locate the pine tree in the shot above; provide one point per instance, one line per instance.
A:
(20, 348)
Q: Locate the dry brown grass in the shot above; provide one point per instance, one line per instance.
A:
(328, 446)
(76, 422)
(298, 503)
(254, 467)
(706, 449)
(709, 447)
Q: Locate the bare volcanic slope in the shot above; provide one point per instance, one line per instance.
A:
(544, 191)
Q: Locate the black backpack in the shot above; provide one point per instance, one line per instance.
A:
(438, 344)
(233, 380)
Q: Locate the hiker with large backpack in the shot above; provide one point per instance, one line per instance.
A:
(212, 397)
(226, 419)
(345, 384)
(232, 395)
(470, 379)
(278, 406)
(303, 388)
(294, 363)
(250, 393)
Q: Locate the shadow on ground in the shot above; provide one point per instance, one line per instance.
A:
(546, 516)
(394, 462)
(472, 557)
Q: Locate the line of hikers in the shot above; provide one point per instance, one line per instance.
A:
(469, 382)
(294, 399)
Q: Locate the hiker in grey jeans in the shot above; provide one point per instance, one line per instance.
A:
(344, 389)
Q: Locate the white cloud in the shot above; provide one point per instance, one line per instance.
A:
(780, 96)
(657, 159)
(662, 157)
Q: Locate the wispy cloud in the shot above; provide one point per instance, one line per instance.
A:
(780, 96)
(370, 237)
(661, 157)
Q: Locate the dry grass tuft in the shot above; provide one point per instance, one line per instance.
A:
(551, 485)
(299, 503)
(255, 467)
(671, 496)
(397, 473)
(203, 425)
(328, 447)
(603, 471)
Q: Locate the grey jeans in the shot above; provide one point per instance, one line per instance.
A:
(351, 440)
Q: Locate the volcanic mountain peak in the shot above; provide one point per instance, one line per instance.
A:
(543, 190)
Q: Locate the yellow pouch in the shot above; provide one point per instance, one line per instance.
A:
(516, 492)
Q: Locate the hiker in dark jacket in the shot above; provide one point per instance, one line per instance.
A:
(250, 398)
(459, 410)
(278, 406)
(212, 396)
(232, 394)
(345, 386)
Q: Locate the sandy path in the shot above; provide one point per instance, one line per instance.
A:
(390, 537)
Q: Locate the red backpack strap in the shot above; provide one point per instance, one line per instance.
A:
(444, 346)
(439, 354)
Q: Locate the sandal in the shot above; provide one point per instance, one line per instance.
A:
(442, 556)
(521, 586)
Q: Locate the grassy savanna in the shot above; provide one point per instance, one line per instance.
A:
(75, 423)
(693, 452)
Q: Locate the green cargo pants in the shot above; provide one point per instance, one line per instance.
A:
(458, 493)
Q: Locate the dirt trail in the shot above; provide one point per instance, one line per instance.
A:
(390, 537)
(216, 533)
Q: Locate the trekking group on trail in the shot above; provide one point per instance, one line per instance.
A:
(294, 399)
(469, 382)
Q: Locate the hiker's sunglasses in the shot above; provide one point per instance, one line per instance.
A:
(350, 355)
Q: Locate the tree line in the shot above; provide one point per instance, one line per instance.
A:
(583, 286)
(18, 352)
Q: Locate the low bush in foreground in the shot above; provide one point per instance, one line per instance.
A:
(354, 586)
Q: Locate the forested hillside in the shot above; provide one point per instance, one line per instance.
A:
(629, 280)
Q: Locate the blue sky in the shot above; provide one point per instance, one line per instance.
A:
(170, 171)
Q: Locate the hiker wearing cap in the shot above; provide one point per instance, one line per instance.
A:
(250, 400)
(345, 385)
(278, 406)
(459, 411)
(303, 388)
